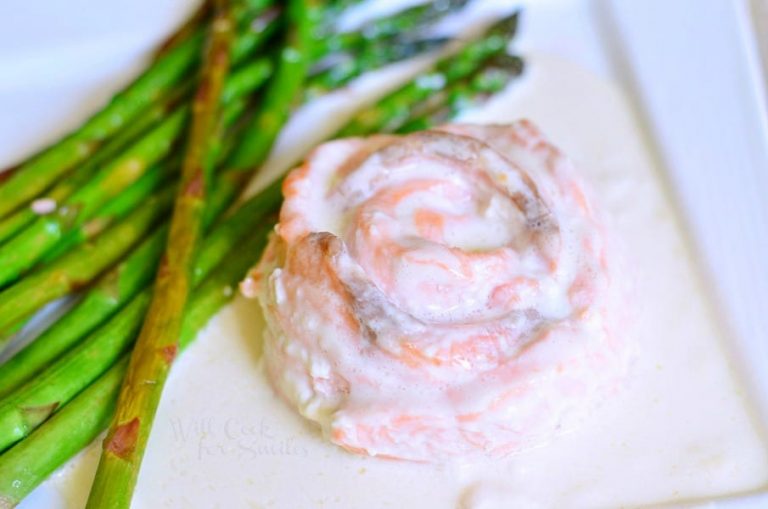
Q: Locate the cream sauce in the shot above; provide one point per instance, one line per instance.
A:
(682, 430)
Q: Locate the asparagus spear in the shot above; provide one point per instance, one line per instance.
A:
(112, 291)
(343, 68)
(189, 27)
(248, 76)
(451, 102)
(384, 31)
(132, 197)
(63, 277)
(368, 48)
(157, 343)
(34, 176)
(378, 43)
(287, 80)
(37, 174)
(69, 273)
(257, 70)
(24, 409)
(29, 246)
(410, 20)
(449, 69)
(77, 268)
(8, 172)
(29, 462)
(13, 223)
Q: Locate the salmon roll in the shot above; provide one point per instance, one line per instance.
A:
(445, 293)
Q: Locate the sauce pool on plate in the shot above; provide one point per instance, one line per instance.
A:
(681, 430)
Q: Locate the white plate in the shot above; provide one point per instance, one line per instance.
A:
(698, 96)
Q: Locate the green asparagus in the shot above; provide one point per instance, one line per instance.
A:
(13, 223)
(24, 409)
(71, 270)
(31, 461)
(390, 29)
(345, 67)
(37, 174)
(453, 100)
(26, 248)
(449, 69)
(158, 343)
(118, 287)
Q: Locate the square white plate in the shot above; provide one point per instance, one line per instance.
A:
(690, 66)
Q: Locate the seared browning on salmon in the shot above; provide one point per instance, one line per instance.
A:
(444, 293)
